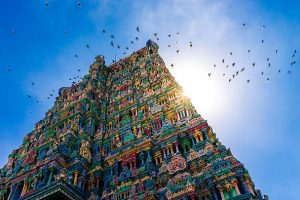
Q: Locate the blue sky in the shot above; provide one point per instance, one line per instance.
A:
(259, 121)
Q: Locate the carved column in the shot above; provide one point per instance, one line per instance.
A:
(243, 185)
(11, 191)
(234, 183)
(172, 150)
(97, 182)
(24, 190)
(176, 145)
(215, 194)
(164, 152)
(156, 162)
(221, 192)
(248, 185)
(76, 173)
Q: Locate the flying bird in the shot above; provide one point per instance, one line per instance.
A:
(169, 35)
(177, 51)
(138, 29)
(103, 31)
(248, 81)
(87, 46)
(209, 74)
(172, 65)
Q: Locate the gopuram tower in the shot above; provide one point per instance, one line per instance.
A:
(124, 132)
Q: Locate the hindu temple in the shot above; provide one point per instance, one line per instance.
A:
(125, 131)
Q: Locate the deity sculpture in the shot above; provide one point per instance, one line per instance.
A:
(85, 150)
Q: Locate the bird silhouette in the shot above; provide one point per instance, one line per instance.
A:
(87, 46)
(223, 60)
(177, 51)
(155, 34)
(103, 31)
(248, 81)
(136, 38)
(209, 74)
(172, 65)
(169, 35)
(138, 29)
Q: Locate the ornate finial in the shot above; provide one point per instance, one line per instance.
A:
(152, 46)
(100, 59)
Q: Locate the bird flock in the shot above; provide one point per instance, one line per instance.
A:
(225, 65)
(230, 76)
